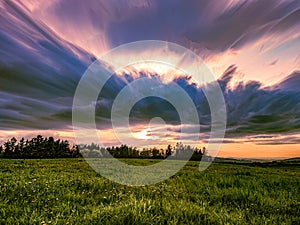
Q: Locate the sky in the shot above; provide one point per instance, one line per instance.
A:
(252, 48)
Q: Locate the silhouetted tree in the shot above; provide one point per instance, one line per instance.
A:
(155, 153)
(169, 150)
(39, 147)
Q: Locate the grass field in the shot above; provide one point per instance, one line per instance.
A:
(68, 191)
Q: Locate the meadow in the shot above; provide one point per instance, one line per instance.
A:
(68, 191)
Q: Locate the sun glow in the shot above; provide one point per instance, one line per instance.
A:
(155, 130)
(143, 134)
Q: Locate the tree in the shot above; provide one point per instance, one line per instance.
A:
(9, 147)
(38, 147)
(169, 150)
(155, 153)
(204, 151)
(21, 146)
(145, 153)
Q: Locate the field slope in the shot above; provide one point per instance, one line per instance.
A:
(68, 191)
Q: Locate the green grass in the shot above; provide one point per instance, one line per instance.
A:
(68, 191)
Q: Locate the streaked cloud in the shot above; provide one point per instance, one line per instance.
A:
(252, 46)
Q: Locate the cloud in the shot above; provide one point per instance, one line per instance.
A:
(251, 108)
(40, 70)
(290, 83)
(197, 24)
(244, 33)
(288, 138)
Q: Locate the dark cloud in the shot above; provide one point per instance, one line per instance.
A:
(34, 59)
(253, 109)
(276, 140)
(203, 24)
(215, 26)
(290, 83)
(250, 107)
(246, 22)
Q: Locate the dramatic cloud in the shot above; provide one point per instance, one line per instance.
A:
(45, 48)
(223, 32)
(214, 25)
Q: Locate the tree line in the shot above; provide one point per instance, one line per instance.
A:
(40, 147)
(179, 151)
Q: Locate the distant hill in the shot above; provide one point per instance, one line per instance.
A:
(259, 162)
(296, 159)
(231, 160)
